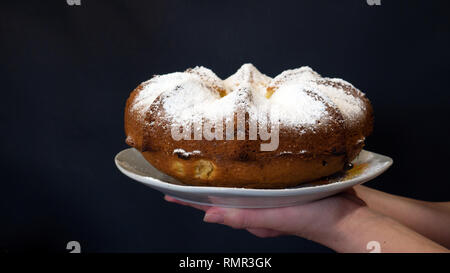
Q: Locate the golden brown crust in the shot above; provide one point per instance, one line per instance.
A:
(133, 124)
(300, 157)
(275, 172)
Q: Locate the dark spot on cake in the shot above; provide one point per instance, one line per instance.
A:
(334, 151)
(243, 156)
(324, 163)
(183, 156)
(348, 166)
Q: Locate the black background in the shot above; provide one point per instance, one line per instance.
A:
(66, 72)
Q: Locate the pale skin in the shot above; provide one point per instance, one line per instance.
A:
(348, 221)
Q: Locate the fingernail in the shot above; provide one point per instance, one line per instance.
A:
(214, 218)
(169, 199)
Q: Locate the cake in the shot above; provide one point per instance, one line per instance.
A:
(249, 130)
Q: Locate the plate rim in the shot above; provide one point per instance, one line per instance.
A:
(154, 182)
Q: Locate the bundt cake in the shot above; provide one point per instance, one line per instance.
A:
(248, 130)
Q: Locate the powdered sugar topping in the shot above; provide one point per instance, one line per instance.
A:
(195, 95)
(186, 154)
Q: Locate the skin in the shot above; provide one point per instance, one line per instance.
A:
(348, 221)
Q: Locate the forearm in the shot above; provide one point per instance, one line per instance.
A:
(429, 219)
(357, 229)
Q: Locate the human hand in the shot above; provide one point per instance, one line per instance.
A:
(342, 222)
(315, 221)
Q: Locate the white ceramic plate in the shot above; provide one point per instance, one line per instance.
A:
(367, 166)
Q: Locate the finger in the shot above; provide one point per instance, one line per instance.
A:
(264, 232)
(350, 191)
(284, 220)
(176, 201)
(353, 196)
(303, 220)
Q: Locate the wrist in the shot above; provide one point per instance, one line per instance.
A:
(356, 230)
(359, 227)
(341, 228)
